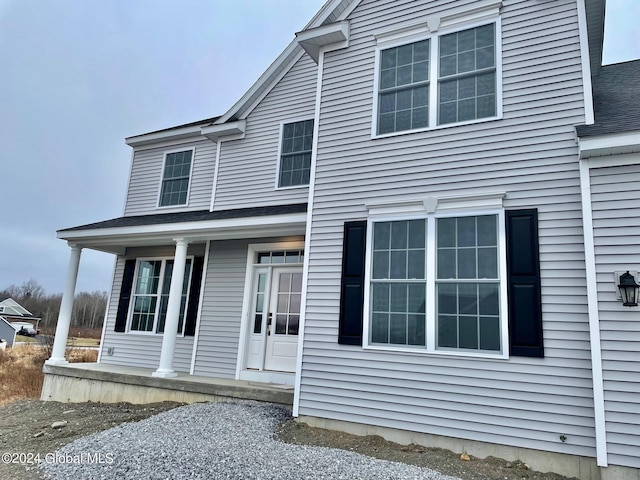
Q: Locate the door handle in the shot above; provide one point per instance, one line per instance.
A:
(269, 318)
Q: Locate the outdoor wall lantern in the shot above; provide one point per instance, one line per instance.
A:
(628, 290)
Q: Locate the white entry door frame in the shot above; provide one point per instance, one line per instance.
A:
(271, 310)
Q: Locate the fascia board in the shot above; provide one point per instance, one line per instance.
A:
(186, 228)
(215, 132)
(168, 135)
(265, 82)
(609, 145)
(264, 79)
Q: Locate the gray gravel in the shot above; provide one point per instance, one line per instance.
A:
(215, 441)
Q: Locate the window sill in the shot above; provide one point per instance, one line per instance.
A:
(292, 187)
(166, 207)
(438, 353)
(438, 127)
(150, 334)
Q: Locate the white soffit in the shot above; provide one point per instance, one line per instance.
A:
(604, 145)
(215, 132)
(314, 39)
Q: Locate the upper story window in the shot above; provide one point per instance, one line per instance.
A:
(176, 177)
(438, 80)
(295, 154)
(467, 75)
(404, 88)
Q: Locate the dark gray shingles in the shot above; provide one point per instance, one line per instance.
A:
(196, 216)
(616, 99)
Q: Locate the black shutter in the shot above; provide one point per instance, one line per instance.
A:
(194, 297)
(352, 285)
(125, 295)
(523, 272)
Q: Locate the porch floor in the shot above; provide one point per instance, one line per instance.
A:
(98, 382)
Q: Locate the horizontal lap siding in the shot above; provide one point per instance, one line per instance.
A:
(616, 240)
(531, 155)
(146, 173)
(219, 333)
(247, 173)
(134, 350)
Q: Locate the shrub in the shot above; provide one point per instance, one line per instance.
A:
(21, 370)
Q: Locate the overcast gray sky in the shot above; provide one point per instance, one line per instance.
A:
(78, 76)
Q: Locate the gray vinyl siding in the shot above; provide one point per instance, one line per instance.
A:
(140, 350)
(615, 195)
(247, 173)
(221, 315)
(531, 155)
(7, 332)
(147, 171)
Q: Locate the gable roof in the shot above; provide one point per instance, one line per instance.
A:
(616, 100)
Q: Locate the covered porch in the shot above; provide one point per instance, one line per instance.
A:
(97, 382)
(188, 310)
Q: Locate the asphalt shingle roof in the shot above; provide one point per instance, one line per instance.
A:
(195, 216)
(616, 100)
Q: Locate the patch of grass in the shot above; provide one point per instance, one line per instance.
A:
(21, 374)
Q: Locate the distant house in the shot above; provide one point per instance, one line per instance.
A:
(14, 316)
(7, 332)
(417, 217)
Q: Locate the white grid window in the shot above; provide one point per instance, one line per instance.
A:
(464, 284)
(151, 290)
(441, 79)
(295, 154)
(175, 180)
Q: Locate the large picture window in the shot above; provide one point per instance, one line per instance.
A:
(175, 178)
(151, 295)
(439, 80)
(295, 154)
(457, 266)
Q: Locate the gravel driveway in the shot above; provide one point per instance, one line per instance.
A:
(184, 443)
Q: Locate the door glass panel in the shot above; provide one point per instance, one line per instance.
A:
(259, 308)
(257, 323)
(285, 282)
(281, 324)
(288, 303)
(294, 320)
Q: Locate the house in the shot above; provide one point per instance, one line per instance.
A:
(415, 218)
(13, 317)
(7, 334)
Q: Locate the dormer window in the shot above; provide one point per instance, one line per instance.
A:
(174, 190)
(295, 154)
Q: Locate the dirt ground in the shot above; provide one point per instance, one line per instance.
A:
(26, 431)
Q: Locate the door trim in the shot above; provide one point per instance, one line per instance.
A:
(245, 325)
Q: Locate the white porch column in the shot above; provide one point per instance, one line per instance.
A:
(165, 369)
(66, 307)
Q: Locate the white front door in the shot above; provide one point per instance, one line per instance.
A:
(283, 319)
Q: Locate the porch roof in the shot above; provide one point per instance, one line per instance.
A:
(115, 235)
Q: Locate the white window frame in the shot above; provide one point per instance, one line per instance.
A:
(430, 297)
(164, 167)
(279, 160)
(423, 33)
(158, 295)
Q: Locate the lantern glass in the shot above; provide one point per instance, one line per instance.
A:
(628, 290)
